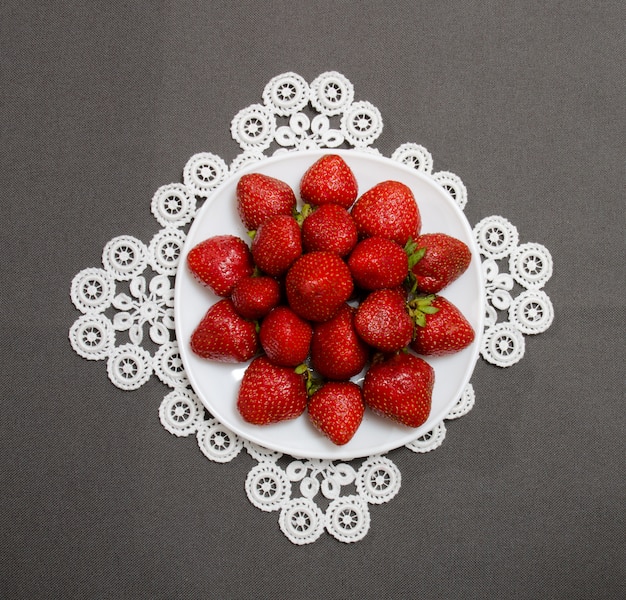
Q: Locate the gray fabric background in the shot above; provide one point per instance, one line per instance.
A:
(102, 103)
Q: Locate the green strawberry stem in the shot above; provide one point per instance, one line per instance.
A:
(313, 383)
(303, 213)
(419, 307)
(414, 254)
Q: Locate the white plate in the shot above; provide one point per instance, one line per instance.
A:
(217, 384)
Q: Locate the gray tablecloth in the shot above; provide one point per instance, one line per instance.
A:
(102, 103)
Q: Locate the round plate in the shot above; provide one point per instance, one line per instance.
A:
(217, 384)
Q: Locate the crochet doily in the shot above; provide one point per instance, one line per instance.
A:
(132, 294)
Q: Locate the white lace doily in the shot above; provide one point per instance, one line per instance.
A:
(132, 294)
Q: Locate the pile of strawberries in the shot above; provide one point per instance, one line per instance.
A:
(342, 284)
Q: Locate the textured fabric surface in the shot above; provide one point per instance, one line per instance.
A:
(102, 103)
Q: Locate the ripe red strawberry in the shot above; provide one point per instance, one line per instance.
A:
(254, 297)
(337, 352)
(270, 393)
(329, 180)
(336, 409)
(285, 337)
(317, 285)
(400, 387)
(224, 336)
(383, 321)
(277, 244)
(260, 197)
(220, 262)
(440, 259)
(388, 209)
(378, 262)
(441, 327)
(329, 227)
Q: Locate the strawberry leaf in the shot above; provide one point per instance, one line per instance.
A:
(301, 369)
(410, 246)
(414, 253)
(313, 383)
(303, 213)
(422, 301)
(419, 318)
(421, 306)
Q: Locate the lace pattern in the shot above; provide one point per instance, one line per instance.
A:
(128, 301)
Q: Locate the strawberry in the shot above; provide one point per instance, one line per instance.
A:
(220, 262)
(329, 227)
(388, 209)
(224, 336)
(270, 393)
(260, 197)
(285, 337)
(439, 260)
(254, 297)
(383, 321)
(337, 352)
(400, 388)
(441, 327)
(329, 180)
(378, 262)
(276, 244)
(317, 285)
(336, 409)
